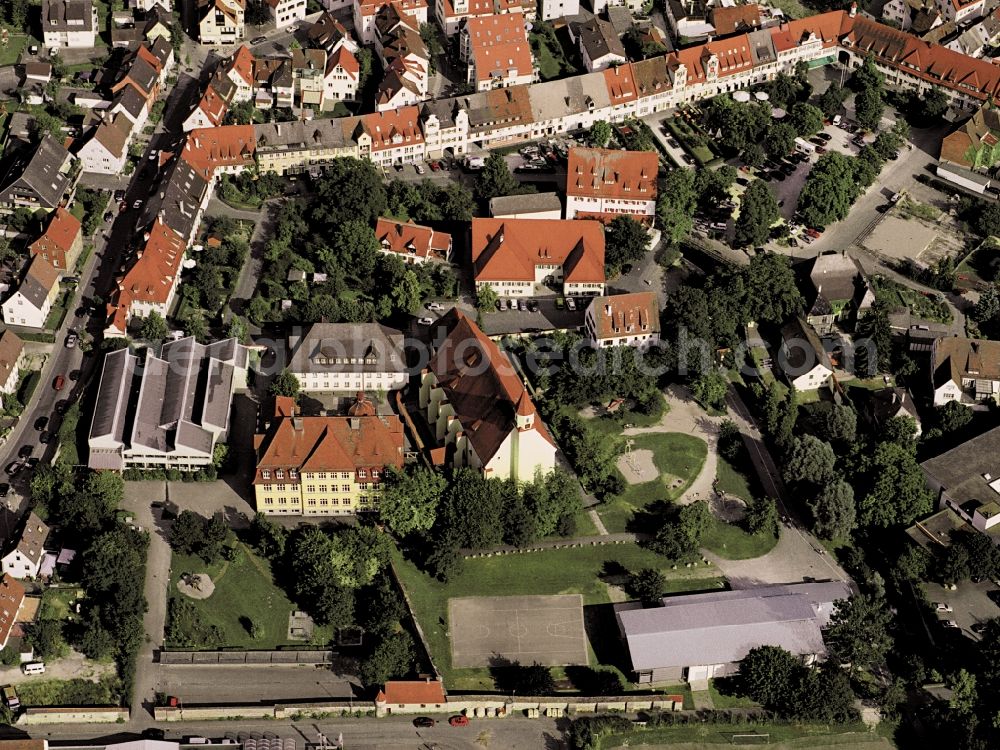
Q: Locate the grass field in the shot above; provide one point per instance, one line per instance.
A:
(899, 296)
(721, 700)
(730, 541)
(677, 456)
(703, 736)
(57, 603)
(557, 571)
(243, 588)
(732, 480)
(68, 692)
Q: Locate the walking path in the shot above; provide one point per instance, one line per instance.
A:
(598, 523)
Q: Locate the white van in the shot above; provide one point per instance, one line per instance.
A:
(33, 667)
(804, 147)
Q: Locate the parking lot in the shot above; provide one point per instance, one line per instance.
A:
(548, 315)
(971, 603)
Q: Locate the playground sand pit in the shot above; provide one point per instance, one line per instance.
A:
(637, 466)
(196, 585)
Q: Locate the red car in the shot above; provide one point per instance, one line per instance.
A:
(814, 233)
(59, 382)
(435, 166)
(459, 721)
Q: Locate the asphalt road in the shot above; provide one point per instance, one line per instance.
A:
(397, 733)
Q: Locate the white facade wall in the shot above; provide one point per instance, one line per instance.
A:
(351, 382)
(287, 12)
(94, 157)
(585, 204)
(19, 311)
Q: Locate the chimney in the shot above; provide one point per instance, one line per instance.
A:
(355, 423)
(297, 424)
(853, 10)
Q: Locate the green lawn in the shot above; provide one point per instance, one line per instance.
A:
(730, 541)
(243, 589)
(677, 456)
(557, 571)
(58, 311)
(728, 701)
(57, 603)
(792, 8)
(782, 736)
(731, 480)
(692, 140)
(16, 44)
(74, 692)
(551, 62)
(900, 296)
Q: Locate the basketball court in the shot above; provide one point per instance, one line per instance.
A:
(526, 629)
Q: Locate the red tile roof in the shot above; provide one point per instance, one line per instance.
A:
(214, 106)
(621, 84)
(155, 270)
(343, 57)
(207, 149)
(412, 692)
(498, 60)
(393, 128)
(826, 27)
(311, 444)
(733, 54)
(486, 31)
(626, 314)
(608, 173)
(11, 598)
(59, 235)
(509, 249)
(407, 238)
(11, 347)
(735, 18)
(242, 63)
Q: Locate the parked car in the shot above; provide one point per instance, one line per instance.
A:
(943, 607)
(424, 722)
(118, 195)
(533, 306)
(4, 489)
(10, 698)
(258, 40)
(459, 721)
(426, 321)
(137, 203)
(571, 303)
(420, 168)
(522, 305)
(949, 623)
(398, 167)
(25, 451)
(59, 382)
(45, 437)
(435, 166)
(41, 423)
(13, 468)
(71, 339)
(435, 306)
(825, 137)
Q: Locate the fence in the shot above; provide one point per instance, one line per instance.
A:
(256, 658)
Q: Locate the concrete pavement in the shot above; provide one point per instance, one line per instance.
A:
(221, 685)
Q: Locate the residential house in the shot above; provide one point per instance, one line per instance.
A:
(329, 34)
(309, 77)
(220, 21)
(30, 303)
(603, 6)
(238, 69)
(477, 408)
(41, 177)
(23, 552)
(623, 320)
(915, 16)
(343, 74)
(11, 599)
(132, 105)
(975, 145)
(552, 9)
(366, 11)
(166, 5)
(105, 150)
(348, 358)
(966, 480)
(965, 370)
(497, 51)
(165, 411)
(12, 361)
(699, 637)
(451, 13)
(216, 151)
(409, 697)
(600, 47)
(392, 137)
(413, 243)
(131, 28)
(514, 256)
(889, 403)
(285, 12)
(802, 358)
(841, 292)
(734, 19)
(211, 109)
(529, 206)
(955, 11)
(61, 242)
(325, 466)
(37, 72)
(605, 183)
(688, 19)
(298, 147)
(405, 59)
(69, 23)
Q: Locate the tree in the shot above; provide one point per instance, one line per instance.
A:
(730, 440)
(867, 76)
(495, 178)
(364, 57)
(393, 657)
(831, 100)
(897, 491)
(600, 134)
(106, 486)
(486, 298)
(257, 13)
(868, 108)
(953, 416)
(806, 119)
(46, 639)
(811, 460)
(758, 211)
(780, 140)
(676, 205)
(767, 675)
(551, 500)
(833, 510)
(456, 203)
(934, 104)
(829, 190)
(285, 384)
(471, 510)
(710, 389)
(680, 536)
(187, 534)
(858, 631)
(349, 190)
(963, 692)
(216, 532)
(647, 585)
(762, 516)
(310, 556)
(753, 155)
(626, 241)
(410, 499)
(267, 537)
(154, 327)
(836, 423)
(988, 306)
(874, 341)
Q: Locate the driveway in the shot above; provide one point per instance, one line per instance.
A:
(139, 497)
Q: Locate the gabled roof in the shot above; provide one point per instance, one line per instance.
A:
(40, 169)
(408, 238)
(394, 128)
(611, 173)
(113, 134)
(502, 60)
(509, 249)
(625, 315)
(412, 692)
(241, 64)
(326, 32)
(348, 347)
(30, 539)
(481, 384)
(837, 276)
(207, 149)
(39, 279)
(343, 59)
(61, 233)
(11, 598)
(154, 272)
(958, 358)
(598, 38)
(803, 345)
(734, 19)
(11, 347)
